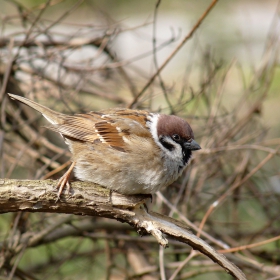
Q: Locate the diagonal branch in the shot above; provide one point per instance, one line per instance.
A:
(94, 200)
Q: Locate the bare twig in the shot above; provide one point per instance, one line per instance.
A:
(204, 15)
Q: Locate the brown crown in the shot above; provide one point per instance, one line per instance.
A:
(170, 125)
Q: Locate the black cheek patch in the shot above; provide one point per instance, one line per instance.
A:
(166, 145)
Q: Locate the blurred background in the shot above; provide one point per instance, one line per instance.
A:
(87, 55)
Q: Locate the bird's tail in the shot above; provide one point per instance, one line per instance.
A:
(52, 116)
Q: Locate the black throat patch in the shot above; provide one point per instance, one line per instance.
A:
(187, 154)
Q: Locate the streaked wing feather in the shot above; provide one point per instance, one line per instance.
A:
(108, 126)
(77, 127)
(109, 134)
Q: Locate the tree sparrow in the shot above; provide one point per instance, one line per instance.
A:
(128, 151)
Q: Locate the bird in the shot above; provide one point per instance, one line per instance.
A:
(125, 150)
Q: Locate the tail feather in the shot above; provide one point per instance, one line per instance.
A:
(52, 116)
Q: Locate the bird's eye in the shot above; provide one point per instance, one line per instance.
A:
(176, 137)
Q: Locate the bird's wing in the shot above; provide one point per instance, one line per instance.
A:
(110, 127)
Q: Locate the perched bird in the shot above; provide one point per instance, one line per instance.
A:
(128, 151)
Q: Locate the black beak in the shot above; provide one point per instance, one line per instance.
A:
(193, 146)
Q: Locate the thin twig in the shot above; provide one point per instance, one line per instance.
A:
(204, 15)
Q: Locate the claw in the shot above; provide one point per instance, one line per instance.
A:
(63, 181)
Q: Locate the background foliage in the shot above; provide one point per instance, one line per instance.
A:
(77, 56)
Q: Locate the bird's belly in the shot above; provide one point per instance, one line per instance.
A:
(122, 179)
(138, 172)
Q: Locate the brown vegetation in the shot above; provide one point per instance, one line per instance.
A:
(228, 196)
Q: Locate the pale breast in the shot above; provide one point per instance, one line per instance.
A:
(141, 170)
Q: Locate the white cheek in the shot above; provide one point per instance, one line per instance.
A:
(176, 153)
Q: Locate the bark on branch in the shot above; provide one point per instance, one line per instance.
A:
(94, 200)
